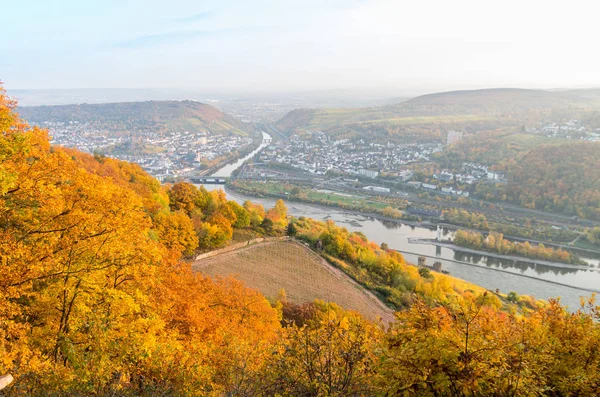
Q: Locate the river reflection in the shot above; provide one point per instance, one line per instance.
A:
(391, 225)
(542, 281)
(491, 261)
(539, 268)
(524, 278)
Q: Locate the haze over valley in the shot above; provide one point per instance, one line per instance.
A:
(349, 198)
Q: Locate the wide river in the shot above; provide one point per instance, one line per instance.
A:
(541, 281)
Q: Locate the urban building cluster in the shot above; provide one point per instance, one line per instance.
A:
(572, 129)
(457, 183)
(317, 153)
(454, 137)
(447, 190)
(162, 155)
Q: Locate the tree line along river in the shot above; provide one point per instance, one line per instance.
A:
(541, 281)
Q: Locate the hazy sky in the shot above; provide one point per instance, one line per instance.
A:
(276, 45)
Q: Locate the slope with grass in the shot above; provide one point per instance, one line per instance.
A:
(475, 109)
(136, 117)
(305, 276)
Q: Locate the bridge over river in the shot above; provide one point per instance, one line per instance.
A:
(542, 281)
(208, 180)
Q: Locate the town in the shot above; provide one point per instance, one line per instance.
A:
(164, 156)
(572, 129)
(318, 156)
(313, 159)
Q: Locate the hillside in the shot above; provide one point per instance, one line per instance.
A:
(570, 186)
(270, 267)
(468, 110)
(499, 100)
(140, 117)
(95, 300)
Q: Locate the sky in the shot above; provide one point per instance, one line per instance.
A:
(288, 45)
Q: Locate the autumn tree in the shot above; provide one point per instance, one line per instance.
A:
(185, 197)
(325, 351)
(464, 349)
(593, 235)
(76, 249)
(392, 212)
(92, 296)
(278, 216)
(176, 230)
(256, 211)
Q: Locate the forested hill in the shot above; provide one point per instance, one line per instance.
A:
(95, 300)
(560, 178)
(153, 116)
(481, 107)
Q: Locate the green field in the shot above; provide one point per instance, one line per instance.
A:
(430, 119)
(152, 149)
(365, 203)
(342, 199)
(327, 118)
(528, 141)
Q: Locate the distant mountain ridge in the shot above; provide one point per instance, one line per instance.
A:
(444, 108)
(154, 116)
(503, 99)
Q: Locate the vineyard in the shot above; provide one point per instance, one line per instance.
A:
(294, 268)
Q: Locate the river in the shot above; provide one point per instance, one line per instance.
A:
(541, 281)
(229, 168)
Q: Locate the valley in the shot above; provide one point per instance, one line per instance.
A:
(299, 199)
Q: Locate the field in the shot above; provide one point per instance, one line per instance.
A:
(430, 119)
(366, 203)
(326, 118)
(525, 142)
(152, 149)
(303, 275)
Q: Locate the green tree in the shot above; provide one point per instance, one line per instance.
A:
(424, 272)
(241, 214)
(512, 297)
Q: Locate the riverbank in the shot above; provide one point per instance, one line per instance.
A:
(430, 225)
(358, 201)
(543, 282)
(515, 258)
(452, 226)
(501, 271)
(426, 223)
(526, 279)
(242, 154)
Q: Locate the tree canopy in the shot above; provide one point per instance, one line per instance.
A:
(95, 299)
